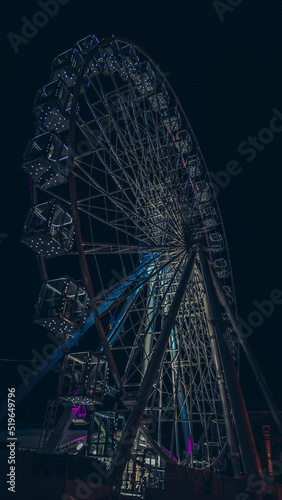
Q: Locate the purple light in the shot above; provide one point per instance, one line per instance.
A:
(78, 439)
(168, 453)
(189, 447)
(81, 411)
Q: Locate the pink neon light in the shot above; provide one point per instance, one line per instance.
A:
(168, 453)
(78, 439)
(189, 447)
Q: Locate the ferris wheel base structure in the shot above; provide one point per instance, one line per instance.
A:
(111, 477)
(119, 181)
(49, 479)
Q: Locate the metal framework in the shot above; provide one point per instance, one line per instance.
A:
(115, 157)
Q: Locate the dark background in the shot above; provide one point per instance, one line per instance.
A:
(227, 75)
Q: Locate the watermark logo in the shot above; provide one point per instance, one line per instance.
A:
(264, 309)
(248, 148)
(222, 7)
(30, 28)
(262, 484)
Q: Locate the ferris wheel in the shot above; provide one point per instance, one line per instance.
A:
(119, 185)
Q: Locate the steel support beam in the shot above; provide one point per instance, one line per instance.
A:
(244, 432)
(36, 375)
(81, 253)
(158, 449)
(248, 352)
(122, 317)
(60, 430)
(125, 444)
(233, 448)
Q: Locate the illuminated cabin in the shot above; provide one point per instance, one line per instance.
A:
(49, 230)
(182, 141)
(216, 242)
(172, 123)
(45, 160)
(105, 432)
(202, 192)
(62, 306)
(221, 268)
(128, 69)
(52, 106)
(209, 215)
(159, 101)
(194, 167)
(83, 378)
(67, 66)
(145, 82)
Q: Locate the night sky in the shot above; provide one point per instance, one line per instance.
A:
(227, 74)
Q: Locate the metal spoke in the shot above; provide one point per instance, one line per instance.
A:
(139, 205)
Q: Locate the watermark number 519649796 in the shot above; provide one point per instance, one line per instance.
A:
(11, 440)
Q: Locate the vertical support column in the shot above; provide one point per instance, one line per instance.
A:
(49, 422)
(60, 430)
(248, 352)
(89, 434)
(124, 447)
(234, 452)
(245, 436)
(175, 383)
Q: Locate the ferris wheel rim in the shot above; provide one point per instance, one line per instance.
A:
(71, 166)
(90, 54)
(72, 183)
(108, 40)
(77, 93)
